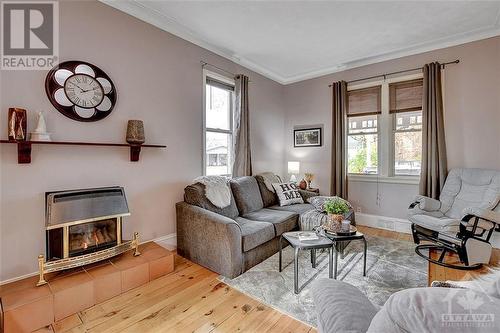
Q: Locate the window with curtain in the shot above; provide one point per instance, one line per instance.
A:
(218, 124)
(363, 109)
(384, 129)
(406, 110)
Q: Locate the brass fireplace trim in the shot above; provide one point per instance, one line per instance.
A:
(66, 263)
(94, 219)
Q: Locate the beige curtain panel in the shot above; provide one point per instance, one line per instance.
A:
(339, 162)
(242, 163)
(434, 162)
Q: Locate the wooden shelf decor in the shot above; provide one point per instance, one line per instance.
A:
(24, 148)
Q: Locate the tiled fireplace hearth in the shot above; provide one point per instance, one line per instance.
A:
(27, 307)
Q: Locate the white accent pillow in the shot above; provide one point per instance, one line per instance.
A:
(288, 193)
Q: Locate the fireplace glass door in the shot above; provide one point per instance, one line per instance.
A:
(92, 236)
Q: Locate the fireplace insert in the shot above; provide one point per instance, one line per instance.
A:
(84, 226)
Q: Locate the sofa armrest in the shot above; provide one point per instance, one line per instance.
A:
(341, 307)
(209, 239)
(307, 194)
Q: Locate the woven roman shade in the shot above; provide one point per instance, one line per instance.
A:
(219, 84)
(363, 102)
(406, 96)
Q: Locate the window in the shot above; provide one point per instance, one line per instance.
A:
(406, 108)
(364, 106)
(384, 128)
(218, 124)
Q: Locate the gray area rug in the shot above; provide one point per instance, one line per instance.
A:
(392, 265)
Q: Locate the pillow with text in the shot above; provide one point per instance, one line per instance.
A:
(288, 193)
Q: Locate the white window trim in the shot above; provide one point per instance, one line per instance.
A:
(385, 140)
(230, 81)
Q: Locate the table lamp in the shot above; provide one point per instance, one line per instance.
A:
(293, 169)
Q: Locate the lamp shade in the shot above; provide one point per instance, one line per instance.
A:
(293, 167)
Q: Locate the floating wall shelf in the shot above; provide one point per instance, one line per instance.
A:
(24, 148)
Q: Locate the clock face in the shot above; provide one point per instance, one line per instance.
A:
(80, 91)
(84, 91)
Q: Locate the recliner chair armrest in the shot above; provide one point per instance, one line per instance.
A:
(482, 213)
(425, 203)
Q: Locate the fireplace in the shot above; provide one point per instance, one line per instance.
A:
(84, 226)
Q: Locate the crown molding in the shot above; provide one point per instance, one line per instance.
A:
(166, 23)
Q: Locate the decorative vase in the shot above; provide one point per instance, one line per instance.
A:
(335, 221)
(302, 184)
(17, 124)
(135, 132)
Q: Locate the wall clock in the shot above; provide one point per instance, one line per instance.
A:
(80, 91)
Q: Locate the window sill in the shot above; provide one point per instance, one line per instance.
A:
(407, 180)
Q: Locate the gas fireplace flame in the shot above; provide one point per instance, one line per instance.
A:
(85, 246)
(96, 239)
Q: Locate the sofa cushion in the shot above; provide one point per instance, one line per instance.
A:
(254, 233)
(283, 221)
(341, 307)
(246, 194)
(297, 208)
(269, 198)
(437, 310)
(195, 195)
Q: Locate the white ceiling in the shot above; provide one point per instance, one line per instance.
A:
(294, 41)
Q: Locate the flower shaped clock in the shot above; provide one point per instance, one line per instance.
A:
(80, 91)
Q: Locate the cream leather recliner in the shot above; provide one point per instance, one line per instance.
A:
(462, 220)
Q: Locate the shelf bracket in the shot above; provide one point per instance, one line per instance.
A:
(135, 151)
(23, 152)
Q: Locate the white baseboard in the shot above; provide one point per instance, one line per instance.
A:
(384, 222)
(169, 241)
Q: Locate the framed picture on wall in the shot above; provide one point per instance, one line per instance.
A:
(307, 137)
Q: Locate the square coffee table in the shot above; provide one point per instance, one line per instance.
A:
(293, 239)
(339, 242)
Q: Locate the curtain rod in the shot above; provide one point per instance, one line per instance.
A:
(204, 63)
(398, 72)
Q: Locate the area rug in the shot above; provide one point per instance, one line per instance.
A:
(392, 265)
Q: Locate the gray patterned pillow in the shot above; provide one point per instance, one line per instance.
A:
(319, 202)
(288, 193)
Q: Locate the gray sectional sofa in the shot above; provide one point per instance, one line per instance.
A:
(233, 239)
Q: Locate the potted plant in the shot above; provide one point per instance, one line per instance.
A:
(335, 208)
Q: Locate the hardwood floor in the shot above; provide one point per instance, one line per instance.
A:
(191, 299)
(440, 273)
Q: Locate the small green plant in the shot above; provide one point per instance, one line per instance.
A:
(336, 206)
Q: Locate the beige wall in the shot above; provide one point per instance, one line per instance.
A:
(472, 119)
(158, 79)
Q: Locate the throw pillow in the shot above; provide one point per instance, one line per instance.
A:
(288, 193)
